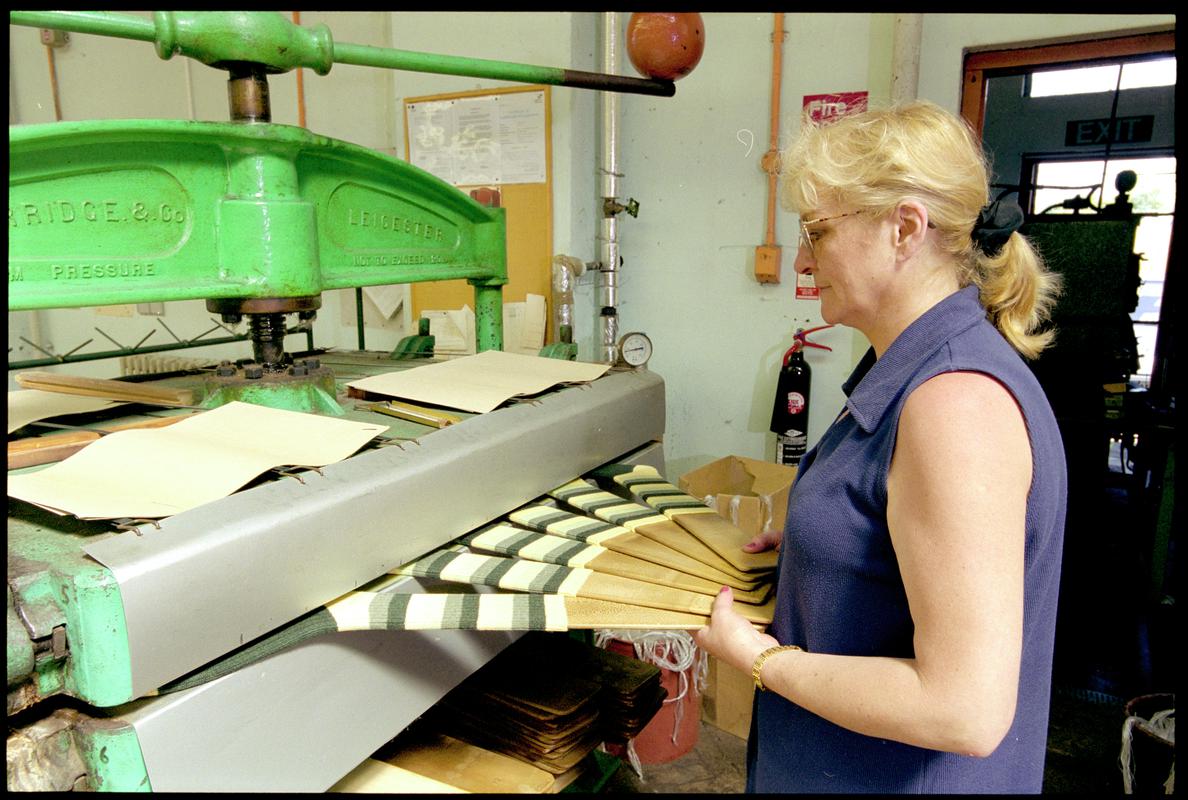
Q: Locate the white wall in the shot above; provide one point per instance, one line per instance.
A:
(692, 162)
(719, 335)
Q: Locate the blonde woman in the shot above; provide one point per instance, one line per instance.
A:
(911, 649)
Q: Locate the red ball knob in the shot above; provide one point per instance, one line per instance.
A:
(665, 45)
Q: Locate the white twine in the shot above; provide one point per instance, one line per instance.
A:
(671, 650)
(632, 758)
(1161, 724)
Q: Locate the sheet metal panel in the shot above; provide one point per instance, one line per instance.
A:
(301, 719)
(217, 576)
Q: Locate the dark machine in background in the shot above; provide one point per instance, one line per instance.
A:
(1119, 542)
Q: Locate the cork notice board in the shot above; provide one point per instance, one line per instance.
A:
(498, 139)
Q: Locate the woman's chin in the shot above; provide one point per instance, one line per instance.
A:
(828, 313)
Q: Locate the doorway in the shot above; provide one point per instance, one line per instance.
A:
(1083, 134)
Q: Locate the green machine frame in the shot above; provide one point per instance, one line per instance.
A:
(110, 212)
(253, 217)
(135, 211)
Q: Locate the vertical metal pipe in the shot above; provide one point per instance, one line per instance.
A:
(905, 57)
(608, 174)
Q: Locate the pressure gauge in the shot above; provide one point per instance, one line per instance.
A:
(634, 349)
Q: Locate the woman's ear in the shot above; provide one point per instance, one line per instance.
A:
(911, 228)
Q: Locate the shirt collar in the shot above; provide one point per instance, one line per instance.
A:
(874, 384)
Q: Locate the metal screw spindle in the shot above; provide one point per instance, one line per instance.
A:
(268, 340)
(247, 93)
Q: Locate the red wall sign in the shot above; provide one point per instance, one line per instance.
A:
(823, 107)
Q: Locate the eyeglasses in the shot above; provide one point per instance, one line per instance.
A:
(806, 240)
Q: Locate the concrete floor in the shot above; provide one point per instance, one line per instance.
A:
(715, 765)
(1083, 748)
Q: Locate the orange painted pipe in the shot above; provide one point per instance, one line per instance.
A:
(767, 255)
(777, 59)
(300, 82)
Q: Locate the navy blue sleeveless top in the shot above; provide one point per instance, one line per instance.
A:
(840, 590)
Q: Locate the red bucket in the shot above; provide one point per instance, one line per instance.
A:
(666, 738)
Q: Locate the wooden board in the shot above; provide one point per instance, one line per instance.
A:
(452, 762)
(510, 540)
(647, 485)
(34, 450)
(529, 576)
(677, 537)
(623, 541)
(379, 777)
(105, 388)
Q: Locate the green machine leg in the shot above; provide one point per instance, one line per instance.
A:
(70, 607)
(413, 347)
(488, 317)
(67, 750)
(66, 638)
(565, 350)
(112, 755)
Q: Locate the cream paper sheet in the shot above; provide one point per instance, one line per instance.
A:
(31, 405)
(479, 383)
(145, 474)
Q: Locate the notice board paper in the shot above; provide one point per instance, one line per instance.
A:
(479, 383)
(473, 141)
(145, 474)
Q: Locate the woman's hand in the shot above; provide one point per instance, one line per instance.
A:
(730, 637)
(768, 540)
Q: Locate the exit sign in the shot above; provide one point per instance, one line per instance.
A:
(1119, 130)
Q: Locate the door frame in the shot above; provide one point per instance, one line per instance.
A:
(978, 64)
(982, 64)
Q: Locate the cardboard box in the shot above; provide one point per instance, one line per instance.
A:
(752, 494)
(726, 702)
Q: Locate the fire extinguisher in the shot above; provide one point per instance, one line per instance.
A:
(789, 415)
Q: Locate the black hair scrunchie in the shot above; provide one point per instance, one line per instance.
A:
(995, 224)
